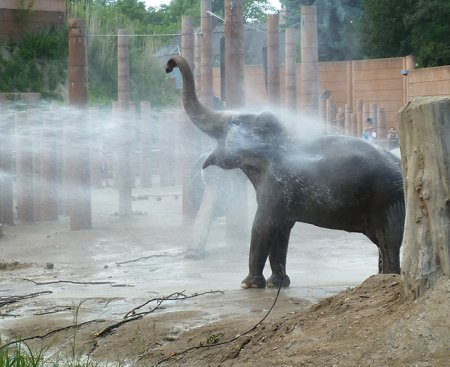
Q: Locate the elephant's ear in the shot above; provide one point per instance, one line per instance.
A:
(268, 127)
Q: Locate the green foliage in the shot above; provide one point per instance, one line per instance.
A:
(383, 31)
(36, 64)
(402, 27)
(336, 22)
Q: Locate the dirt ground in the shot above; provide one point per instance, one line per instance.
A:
(124, 294)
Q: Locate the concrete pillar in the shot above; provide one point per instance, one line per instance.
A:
(365, 115)
(291, 71)
(48, 199)
(207, 95)
(273, 60)
(340, 120)
(237, 214)
(24, 169)
(323, 109)
(234, 54)
(146, 145)
(381, 125)
(78, 166)
(373, 113)
(349, 84)
(330, 116)
(6, 186)
(124, 172)
(309, 60)
(96, 123)
(359, 117)
(198, 64)
(348, 120)
(167, 149)
(354, 124)
(187, 40)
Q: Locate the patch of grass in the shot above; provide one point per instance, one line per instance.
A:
(21, 355)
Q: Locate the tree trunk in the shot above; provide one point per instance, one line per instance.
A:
(424, 126)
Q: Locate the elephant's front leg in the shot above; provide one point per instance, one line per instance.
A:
(264, 233)
(277, 257)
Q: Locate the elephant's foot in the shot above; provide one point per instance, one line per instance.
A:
(276, 279)
(252, 281)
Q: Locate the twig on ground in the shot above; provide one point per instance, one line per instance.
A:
(68, 281)
(200, 346)
(133, 315)
(141, 258)
(51, 332)
(13, 299)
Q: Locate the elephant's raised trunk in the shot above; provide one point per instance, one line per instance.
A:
(206, 119)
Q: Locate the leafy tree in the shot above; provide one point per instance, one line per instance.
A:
(337, 26)
(429, 27)
(383, 29)
(402, 27)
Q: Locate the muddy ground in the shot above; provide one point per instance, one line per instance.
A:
(125, 294)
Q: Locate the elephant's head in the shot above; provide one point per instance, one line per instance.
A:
(243, 140)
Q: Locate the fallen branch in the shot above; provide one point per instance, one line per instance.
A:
(200, 346)
(176, 296)
(13, 299)
(50, 333)
(141, 258)
(133, 315)
(68, 281)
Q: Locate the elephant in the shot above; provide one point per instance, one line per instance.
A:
(331, 181)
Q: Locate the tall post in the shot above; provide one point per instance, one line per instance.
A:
(273, 60)
(78, 170)
(189, 134)
(24, 169)
(237, 215)
(309, 60)
(6, 186)
(381, 124)
(198, 64)
(124, 174)
(48, 198)
(234, 54)
(348, 119)
(187, 40)
(291, 68)
(206, 53)
(359, 118)
(146, 145)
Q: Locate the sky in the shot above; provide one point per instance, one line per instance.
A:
(155, 3)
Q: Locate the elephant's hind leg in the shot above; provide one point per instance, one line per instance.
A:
(386, 231)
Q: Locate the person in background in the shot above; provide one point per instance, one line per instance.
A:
(393, 138)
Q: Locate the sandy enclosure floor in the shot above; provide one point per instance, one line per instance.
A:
(101, 274)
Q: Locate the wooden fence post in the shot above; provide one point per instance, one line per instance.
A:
(146, 145)
(78, 171)
(24, 169)
(291, 71)
(124, 172)
(48, 198)
(273, 60)
(6, 182)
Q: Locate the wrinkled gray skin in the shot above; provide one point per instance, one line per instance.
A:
(336, 182)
